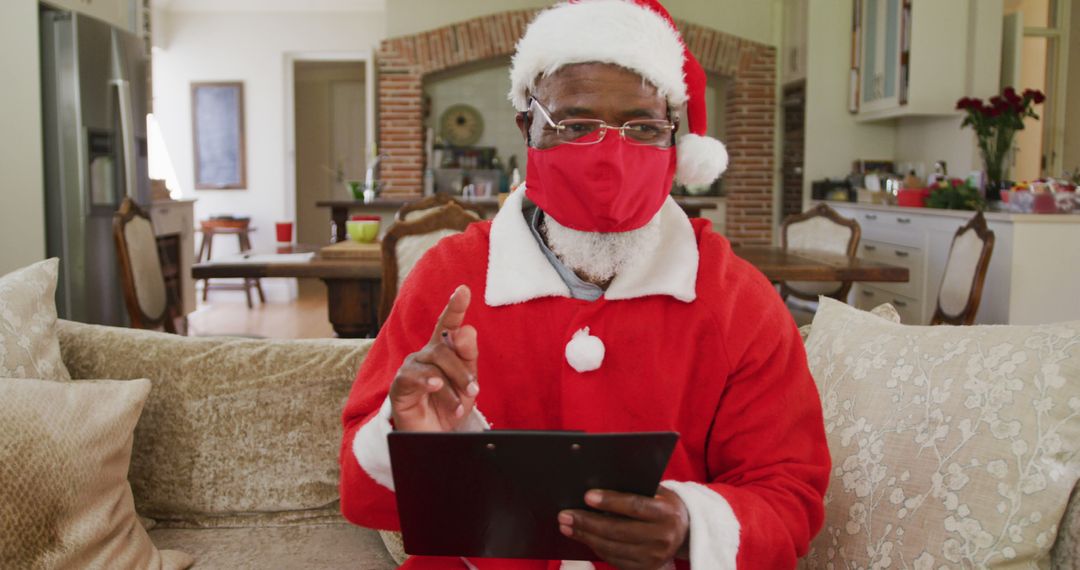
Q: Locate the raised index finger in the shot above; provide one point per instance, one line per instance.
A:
(454, 314)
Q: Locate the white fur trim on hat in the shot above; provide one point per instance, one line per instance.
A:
(620, 32)
(585, 352)
(701, 160)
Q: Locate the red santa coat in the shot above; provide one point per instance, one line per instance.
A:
(696, 341)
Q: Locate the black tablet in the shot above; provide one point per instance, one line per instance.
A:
(497, 494)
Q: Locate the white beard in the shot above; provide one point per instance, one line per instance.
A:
(600, 256)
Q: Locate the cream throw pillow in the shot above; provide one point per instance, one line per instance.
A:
(64, 497)
(952, 446)
(28, 342)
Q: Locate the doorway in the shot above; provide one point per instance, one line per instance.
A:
(794, 139)
(330, 102)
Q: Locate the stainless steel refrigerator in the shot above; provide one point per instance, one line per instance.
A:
(94, 109)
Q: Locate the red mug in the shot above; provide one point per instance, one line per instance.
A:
(284, 232)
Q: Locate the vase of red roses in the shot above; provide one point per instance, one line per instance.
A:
(996, 122)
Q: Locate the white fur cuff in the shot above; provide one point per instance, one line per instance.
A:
(370, 447)
(373, 453)
(714, 530)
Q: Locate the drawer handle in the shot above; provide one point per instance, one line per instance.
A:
(899, 303)
(901, 253)
(903, 220)
(869, 247)
(868, 293)
(871, 216)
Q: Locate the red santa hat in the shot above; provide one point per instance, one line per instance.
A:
(640, 36)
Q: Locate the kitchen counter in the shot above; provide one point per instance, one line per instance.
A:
(1008, 217)
(1034, 273)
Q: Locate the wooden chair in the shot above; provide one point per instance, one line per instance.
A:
(819, 229)
(406, 241)
(965, 273)
(242, 230)
(420, 208)
(150, 304)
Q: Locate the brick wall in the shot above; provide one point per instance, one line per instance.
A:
(403, 62)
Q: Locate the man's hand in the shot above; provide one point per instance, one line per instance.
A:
(636, 533)
(436, 388)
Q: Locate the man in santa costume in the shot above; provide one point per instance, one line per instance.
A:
(591, 302)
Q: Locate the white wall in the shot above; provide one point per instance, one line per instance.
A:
(249, 47)
(833, 138)
(751, 19)
(22, 205)
(1071, 160)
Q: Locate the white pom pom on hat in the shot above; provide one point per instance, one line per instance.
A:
(639, 35)
(585, 352)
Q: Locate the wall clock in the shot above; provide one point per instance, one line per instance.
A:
(461, 125)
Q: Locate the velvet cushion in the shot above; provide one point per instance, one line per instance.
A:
(316, 546)
(65, 501)
(236, 432)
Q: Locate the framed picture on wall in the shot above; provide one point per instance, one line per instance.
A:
(217, 125)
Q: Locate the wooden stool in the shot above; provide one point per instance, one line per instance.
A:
(241, 229)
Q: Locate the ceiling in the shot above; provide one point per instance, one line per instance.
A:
(272, 5)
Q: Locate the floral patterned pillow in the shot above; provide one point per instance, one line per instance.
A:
(29, 347)
(952, 446)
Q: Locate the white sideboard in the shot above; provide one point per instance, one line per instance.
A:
(178, 217)
(1034, 274)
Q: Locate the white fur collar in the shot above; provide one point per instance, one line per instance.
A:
(519, 272)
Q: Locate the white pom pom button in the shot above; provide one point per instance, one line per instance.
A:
(585, 352)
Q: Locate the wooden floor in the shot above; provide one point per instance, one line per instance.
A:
(226, 313)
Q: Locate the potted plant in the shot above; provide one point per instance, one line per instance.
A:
(996, 122)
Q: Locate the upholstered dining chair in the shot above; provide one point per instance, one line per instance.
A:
(150, 305)
(406, 241)
(965, 273)
(424, 206)
(819, 229)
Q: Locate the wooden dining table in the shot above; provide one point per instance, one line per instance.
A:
(352, 285)
(778, 264)
(339, 209)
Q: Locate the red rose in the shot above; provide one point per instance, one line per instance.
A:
(1010, 95)
(1034, 95)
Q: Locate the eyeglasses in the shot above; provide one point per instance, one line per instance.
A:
(643, 132)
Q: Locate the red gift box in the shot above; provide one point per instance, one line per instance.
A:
(912, 197)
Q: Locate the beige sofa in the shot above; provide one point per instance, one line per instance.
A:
(235, 454)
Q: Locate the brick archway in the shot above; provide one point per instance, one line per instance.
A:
(403, 62)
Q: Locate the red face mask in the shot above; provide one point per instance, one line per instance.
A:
(610, 186)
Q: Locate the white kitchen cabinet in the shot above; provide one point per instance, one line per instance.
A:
(1034, 274)
(177, 217)
(912, 57)
(120, 13)
(795, 42)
